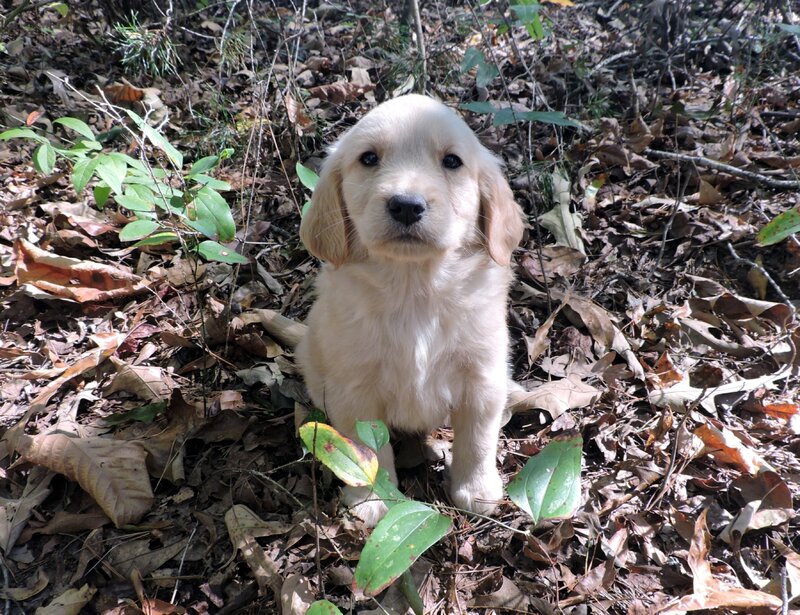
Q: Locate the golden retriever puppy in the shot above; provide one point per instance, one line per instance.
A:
(416, 225)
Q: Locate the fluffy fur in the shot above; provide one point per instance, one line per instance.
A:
(410, 321)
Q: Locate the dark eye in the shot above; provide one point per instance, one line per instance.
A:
(451, 161)
(369, 159)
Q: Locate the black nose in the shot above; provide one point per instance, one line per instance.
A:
(407, 209)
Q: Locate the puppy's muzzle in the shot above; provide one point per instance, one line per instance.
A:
(407, 209)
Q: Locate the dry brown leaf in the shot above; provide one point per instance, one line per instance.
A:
(20, 594)
(708, 195)
(721, 444)
(555, 397)
(70, 278)
(244, 526)
(139, 555)
(507, 597)
(768, 502)
(556, 261)
(710, 593)
(145, 382)
(538, 343)
(71, 602)
(14, 514)
(603, 330)
(297, 115)
(296, 595)
(89, 220)
(338, 93)
(283, 329)
(111, 471)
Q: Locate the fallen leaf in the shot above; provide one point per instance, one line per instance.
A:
(149, 383)
(111, 471)
(70, 278)
(556, 397)
(14, 514)
(721, 444)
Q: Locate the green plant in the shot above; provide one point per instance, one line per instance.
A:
(195, 214)
(780, 227)
(309, 179)
(146, 50)
(548, 487)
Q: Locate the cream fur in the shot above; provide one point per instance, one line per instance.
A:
(410, 323)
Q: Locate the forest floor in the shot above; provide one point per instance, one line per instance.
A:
(141, 387)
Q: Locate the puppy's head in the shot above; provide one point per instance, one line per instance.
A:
(410, 182)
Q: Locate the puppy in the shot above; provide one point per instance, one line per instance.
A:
(416, 225)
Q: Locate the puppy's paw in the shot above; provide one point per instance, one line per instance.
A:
(364, 504)
(480, 494)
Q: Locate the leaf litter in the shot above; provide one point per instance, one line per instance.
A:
(149, 404)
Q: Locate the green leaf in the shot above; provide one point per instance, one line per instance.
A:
(133, 202)
(304, 210)
(203, 165)
(101, 194)
(213, 251)
(479, 107)
(44, 158)
(157, 139)
(780, 227)
(373, 433)
(307, 177)
(323, 607)
(211, 208)
(352, 462)
(211, 182)
(486, 70)
(112, 171)
(472, 57)
(549, 486)
(549, 117)
(790, 28)
(22, 133)
(79, 126)
(386, 490)
(157, 239)
(82, 172)
(60, 7)
(138, 229)
(144, 414)
(405, 533)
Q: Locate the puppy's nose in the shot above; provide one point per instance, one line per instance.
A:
(407, 209)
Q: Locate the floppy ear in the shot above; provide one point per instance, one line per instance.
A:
(325, 226)
(500, 214)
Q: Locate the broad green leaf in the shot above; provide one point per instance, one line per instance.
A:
(549, 486)
(22, 133)
(79, 126)
(472, 57)
(549, 117)
(101, 194)
(157, 239)
(386, 490)
(323, 607)
(373, 433)
(44, 158)
(213, 251)
(352, 462)
(201, 226)
(211, 182)
(132, 202)
(409, 589)
(144, 414)
(203, 165)
(790, 28)
(138, 229)
(157, 139)
(81, 148)
(780, 227)
(304, 210)
(526, 12)
(62, 8)
(112, 171)
(82, 172)
(405, 533)
(307, 177)
(479, 107)
(211, 208)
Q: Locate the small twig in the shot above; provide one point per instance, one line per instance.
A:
(784, 592)
(180, 566)
(779, 184)
(753, 265)
(414, 6)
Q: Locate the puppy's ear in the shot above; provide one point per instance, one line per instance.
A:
(500, 214)
(325, 226)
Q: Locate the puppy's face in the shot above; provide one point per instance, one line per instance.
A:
(408, 182)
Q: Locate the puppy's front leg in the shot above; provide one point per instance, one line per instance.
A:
(475, 482)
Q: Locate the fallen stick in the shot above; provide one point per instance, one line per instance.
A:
(780, 184)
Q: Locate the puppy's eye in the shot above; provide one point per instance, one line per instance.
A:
(369, 159)
(451, 161)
